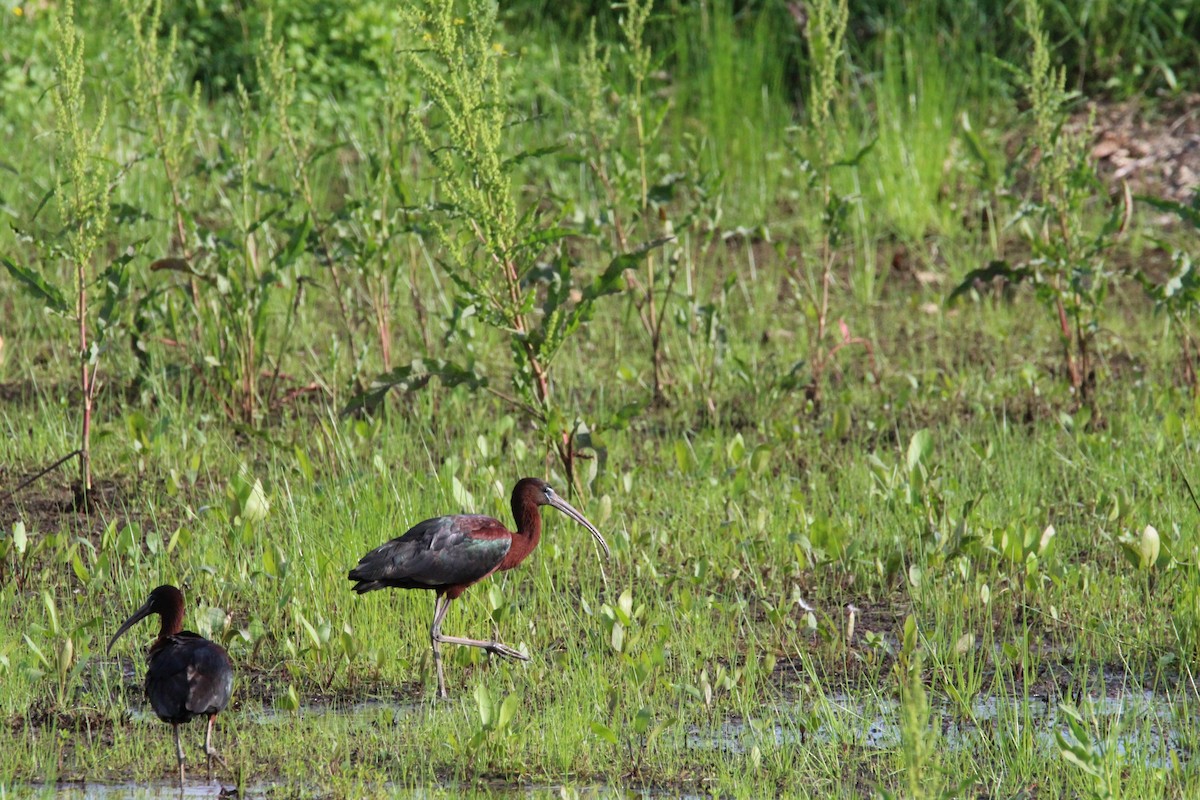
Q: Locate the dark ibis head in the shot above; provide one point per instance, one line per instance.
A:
(540, 493)
(167, 602)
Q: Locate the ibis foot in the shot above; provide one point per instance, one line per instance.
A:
(504, 651)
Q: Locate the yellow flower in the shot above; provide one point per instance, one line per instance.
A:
(18, 11)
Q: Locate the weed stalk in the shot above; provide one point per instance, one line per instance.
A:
(84, 199)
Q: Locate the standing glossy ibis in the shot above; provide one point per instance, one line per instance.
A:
(186, 675)
(448, 554)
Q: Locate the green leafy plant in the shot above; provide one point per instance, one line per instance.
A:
(1082, 749)
(170, 119)
(1067, 267)
(82, 189)
(825, 33)
(1179, 295)
(495, 733)
(634, 186)
(278, 85)
(918, 743)
(921, 773)
(631, 720)
(55, 651)
(496, 255)
(231, 329)
(378, 232)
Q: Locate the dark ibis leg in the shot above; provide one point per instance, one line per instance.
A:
(495, 648)
(178, 752)
(209, 751)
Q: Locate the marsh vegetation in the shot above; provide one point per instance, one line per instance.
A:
(865, 334)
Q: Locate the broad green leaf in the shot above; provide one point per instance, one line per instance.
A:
(919, 448)
(1149, 546)
(51, 612)
(78, 568)
(910, 635)
(37, 652)
(254, 504)
(35, 285)
(617, 637)
(483, 701)
(625, 606)
(1046, 540)
(604, 732)
(269, 565)
(508, 709)
(736, 449)
(309, 629)
(760, 459)
(683, 456)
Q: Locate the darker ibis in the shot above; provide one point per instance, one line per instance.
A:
(186, 675)
(448, 554)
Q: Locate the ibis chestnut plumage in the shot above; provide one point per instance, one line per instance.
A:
(447, 554)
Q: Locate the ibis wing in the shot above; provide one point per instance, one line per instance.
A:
(443, 551)
(188, 676)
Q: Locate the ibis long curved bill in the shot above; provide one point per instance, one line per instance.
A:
(146, 610)
(570, 511)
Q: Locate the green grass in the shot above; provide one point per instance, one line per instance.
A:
(710, 656)
(713, 532)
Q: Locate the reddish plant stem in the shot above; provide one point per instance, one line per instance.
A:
(85, 385)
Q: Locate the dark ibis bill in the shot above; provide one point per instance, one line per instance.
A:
(143, 612)
(569, 510)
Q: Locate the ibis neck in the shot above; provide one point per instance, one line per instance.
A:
(527, 516)
(527, 535)
(171, 621)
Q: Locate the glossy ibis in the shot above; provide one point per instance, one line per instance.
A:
(186, 675)
(448, 554)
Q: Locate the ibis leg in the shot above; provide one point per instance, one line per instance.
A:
(178, 752)
(495, 648)
(440, 606)
(209, 751)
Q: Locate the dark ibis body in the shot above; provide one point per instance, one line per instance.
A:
(186, 675)
(448, 554)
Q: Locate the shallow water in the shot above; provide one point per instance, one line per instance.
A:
(155, 790)
(1145, 719)
(166, 790)
(1145, 726)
